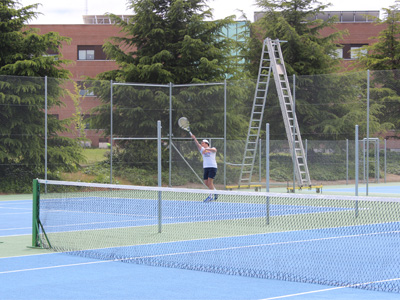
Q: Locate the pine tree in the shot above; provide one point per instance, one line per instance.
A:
(383, 59)
(170, 41)
(23, 64)
(167, 41)
(305, 51)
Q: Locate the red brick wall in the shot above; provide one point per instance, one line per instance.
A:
(83, 34)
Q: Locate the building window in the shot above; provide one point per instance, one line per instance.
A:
(91, 52)
(86, 55)
(355, 52)
(352, 51)
(85, 89)
(338, 53)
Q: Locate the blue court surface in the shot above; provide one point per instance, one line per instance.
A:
(49, 275)
(373, 190)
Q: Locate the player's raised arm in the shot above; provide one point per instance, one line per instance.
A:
(196, 142)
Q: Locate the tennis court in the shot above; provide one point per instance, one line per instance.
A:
(287, 249)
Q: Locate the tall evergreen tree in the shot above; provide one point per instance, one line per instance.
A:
(385, 53)
(167, 41)
(305, 51)
(23, 64)
(383, 59)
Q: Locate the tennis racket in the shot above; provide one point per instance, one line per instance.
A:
(184, 124)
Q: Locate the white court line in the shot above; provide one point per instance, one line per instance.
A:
(55, 267)
(7, 229)
(17, 208)
(330, 289)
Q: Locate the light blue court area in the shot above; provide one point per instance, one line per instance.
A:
(60, 276)
(323, 256)
(15, 217)
(384, 190)
(63, 277)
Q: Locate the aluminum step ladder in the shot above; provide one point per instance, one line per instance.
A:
(253, 134)
(272, 60)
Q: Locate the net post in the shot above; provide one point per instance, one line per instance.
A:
(35, 213)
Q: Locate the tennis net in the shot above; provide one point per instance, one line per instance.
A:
(324, 239)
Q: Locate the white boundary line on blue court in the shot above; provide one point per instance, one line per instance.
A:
(55, 267)
(330, 289)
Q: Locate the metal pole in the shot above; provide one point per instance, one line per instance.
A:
(356, 161)
(367, 133)
(260, 161)
(45, 131)
(170, 137)
(347, 161)
(159, 175)
(35, 213)
(364, 160)
(376, 152)
(356, 171)
(111, 130)
(294, 134)
(267, 156)
(225, 131)
(267, 169)
(384, 167)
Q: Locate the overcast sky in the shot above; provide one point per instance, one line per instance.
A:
(71, 11)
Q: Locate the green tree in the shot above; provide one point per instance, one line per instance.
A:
(309, 56)
(305, 51)
(167, 41)
(383, 58)
(385, 53)
(170, 41)
(23, 64)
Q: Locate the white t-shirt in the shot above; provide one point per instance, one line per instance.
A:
(209, 160)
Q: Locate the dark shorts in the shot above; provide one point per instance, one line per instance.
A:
(209, 173)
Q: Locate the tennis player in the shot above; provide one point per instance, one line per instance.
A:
(209, 165)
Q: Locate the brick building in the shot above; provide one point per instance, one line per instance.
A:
(86, 53)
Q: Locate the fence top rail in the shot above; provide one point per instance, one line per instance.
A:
(167, 85)
(198, 84)
(141, 84)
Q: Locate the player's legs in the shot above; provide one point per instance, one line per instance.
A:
(209, 175)
(210, 183)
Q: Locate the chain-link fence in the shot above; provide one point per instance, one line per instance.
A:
(97, 130)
